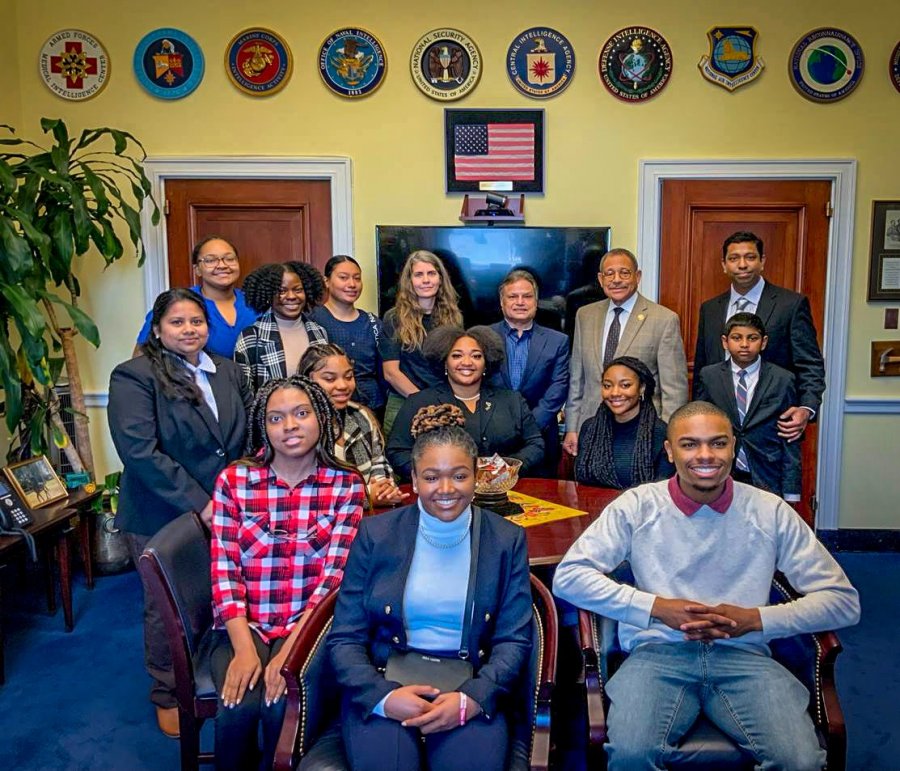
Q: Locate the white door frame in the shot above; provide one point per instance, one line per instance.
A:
(336, 170)
(842, 175)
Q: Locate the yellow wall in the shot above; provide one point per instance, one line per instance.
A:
(594, 142)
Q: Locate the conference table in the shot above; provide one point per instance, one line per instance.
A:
(549, 541)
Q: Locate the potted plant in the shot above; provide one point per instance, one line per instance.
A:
(57, 203)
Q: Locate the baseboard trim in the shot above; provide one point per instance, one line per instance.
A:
(860, 540)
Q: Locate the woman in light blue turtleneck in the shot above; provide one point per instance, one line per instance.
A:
(406, 588)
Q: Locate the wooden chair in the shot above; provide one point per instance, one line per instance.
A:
(176, 566)
(809, 657)
(311, 733)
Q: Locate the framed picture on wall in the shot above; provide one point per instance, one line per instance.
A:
(884, 252)
(494, 150)
(36, 482)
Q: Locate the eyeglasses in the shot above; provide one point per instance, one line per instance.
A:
(296, 291)
(623, 273)
(211, 262)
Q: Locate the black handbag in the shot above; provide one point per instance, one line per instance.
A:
(446, 673)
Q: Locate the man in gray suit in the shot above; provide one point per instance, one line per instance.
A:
(625, 324)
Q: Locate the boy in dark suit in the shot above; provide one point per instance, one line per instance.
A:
(754, 393)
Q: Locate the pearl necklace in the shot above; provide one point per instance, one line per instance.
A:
(437, 544)
(467, 398)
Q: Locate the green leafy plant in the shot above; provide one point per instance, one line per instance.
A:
(58, 203)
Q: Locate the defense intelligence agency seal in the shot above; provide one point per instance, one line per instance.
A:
(74, 65)
(732, 60)
(895, 67)
(635, 64)
(445, 64)
(258, 62)
(168, 63)
(352, 62)
(540, 62)
(826, 65)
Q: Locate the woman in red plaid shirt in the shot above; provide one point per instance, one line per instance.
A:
(283, 522)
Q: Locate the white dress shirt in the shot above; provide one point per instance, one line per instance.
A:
(627, 307)
(751, 378)
(754, 296)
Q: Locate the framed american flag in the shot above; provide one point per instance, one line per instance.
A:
(499, 150)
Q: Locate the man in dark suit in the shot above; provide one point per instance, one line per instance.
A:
(754, 393)
(786, 315)
(537, 360)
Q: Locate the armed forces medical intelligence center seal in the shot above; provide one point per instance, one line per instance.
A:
(445, 64)
(635, 64)
(540, 62)
(74, 65)
(826, 65)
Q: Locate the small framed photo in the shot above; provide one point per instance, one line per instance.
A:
(494, 150)
(884, 255)
(36, 482)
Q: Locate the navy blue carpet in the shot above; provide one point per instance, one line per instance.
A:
(79, 700)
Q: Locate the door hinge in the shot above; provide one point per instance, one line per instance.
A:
(829, 210)
(166, 207)
(813, 504)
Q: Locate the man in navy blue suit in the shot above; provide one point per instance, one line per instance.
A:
(537, 360)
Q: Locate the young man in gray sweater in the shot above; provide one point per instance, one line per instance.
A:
(703, 550)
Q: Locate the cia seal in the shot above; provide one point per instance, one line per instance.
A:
(826, 65)
(168, 63)
(352, 62)
(445, 64)
(258, 62)
(74, 65)
(635, 64)
(895, 67)
(732, 60)
(540, 62)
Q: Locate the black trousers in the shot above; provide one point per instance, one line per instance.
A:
(157, 653)
(381, 744)
(237, 729)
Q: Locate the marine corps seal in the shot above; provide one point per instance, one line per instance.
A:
(635, 64)
(258, 62)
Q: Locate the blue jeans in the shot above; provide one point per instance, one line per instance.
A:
(661, 688)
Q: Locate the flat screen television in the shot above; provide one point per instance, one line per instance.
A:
(563, 260)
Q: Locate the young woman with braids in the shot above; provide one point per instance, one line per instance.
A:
(622, 445)
(283, 521)
(283, 293)
(406, 588)
(177, 418)
(360, 442)
(425, 301)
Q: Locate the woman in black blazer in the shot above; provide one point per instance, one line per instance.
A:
(177, 418)
(411, 578)
(498, 419)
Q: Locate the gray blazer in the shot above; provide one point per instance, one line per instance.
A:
(652, 334)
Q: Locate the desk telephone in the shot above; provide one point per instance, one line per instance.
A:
(13, 512)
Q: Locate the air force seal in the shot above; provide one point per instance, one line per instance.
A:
(352, 62)
(540, 62)
(445, 64)
(826, 65)
(168, 63)
(732, 60)
(635, 64)
(74, 65)
(258, 62)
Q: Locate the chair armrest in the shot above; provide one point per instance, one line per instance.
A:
(540, 744)
(593, 682)
(829, 716)
(316, 623)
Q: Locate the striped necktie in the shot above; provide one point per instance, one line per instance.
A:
(741, 304)
(741, 396)
(612, 338)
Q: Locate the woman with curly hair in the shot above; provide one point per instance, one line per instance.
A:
(498, 419)
(283, 293)
(425, 301)
(622, 445)
(283, 521)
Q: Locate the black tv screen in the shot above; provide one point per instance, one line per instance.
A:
(563, 260)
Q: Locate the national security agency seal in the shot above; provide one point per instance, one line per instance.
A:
(635, 64)
(258, 62)
(895, 67)
(826, 65)
(352, 62)
(540, 62)
(445, 64)
(74, 65)
(168, 63)
(732, 61)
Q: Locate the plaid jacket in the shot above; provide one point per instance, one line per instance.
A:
(364, 444)
(260, 354)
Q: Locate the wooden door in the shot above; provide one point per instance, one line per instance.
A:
(791, 217)
(267, 220)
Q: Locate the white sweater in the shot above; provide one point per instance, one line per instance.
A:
(709, 557)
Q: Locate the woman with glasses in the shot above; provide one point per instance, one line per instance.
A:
(283, 519)
(283, 293)
(218, 270)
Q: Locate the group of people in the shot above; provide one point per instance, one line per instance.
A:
(265, 411)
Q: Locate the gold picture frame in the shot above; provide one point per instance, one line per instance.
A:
(36, 482)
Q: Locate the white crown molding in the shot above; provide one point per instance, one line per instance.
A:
(841, 172)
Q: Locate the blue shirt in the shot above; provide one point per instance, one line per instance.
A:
(222, 335)
(517, 353)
